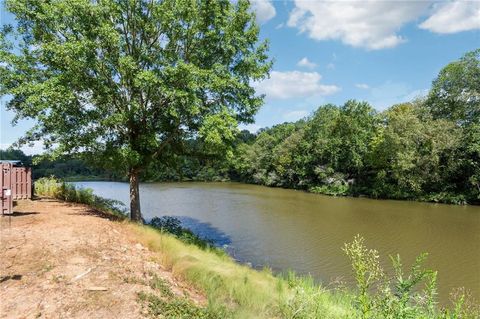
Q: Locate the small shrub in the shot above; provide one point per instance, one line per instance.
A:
(464, 305)
(366, 270)
(336, 189)
(167, 224)
(173, 226)
(47, 187)
(55, 188)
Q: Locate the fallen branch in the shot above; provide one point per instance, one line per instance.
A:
(82, 275)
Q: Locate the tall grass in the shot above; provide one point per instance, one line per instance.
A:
(246, 292)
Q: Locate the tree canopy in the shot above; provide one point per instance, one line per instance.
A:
(127, 82)
(455, 93)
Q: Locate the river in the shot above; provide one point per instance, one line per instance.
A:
(288, 229)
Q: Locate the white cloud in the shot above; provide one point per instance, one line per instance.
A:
(369, 24)
(306, 63)
(285, 85)
(452, 17)
(263, 9)
(295, 115)
(362, 86)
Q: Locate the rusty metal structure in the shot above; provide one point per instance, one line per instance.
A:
(16, 184)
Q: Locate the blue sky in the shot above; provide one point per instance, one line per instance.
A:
(384, 52)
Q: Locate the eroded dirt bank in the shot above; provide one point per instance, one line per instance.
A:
(61, 260)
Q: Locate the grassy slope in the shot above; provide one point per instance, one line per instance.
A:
(247, 292)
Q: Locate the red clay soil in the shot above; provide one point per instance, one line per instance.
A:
(61, 260)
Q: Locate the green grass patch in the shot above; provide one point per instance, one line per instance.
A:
(163, 303)
(160, 285)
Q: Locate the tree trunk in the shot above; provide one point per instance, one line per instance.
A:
(135, 213)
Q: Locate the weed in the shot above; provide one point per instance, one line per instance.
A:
(159, 284)
(378, 296)
(178, 308)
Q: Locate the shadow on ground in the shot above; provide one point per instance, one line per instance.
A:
(99, 213)
(13, 277)
(17, 214)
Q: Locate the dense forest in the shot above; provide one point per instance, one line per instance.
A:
(427, 149)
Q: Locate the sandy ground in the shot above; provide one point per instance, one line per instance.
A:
(60, 260)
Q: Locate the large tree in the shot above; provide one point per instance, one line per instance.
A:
(455, 96)
(455, 93)
(126, 81)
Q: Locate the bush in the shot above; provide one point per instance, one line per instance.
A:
(56, 188)
(446, 197)
(336, 189)
(167, 224)
(173, 226)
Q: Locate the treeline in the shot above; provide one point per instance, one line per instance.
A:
(67, 167)
(427, 149)
(402, 153)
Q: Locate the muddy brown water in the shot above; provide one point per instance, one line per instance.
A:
(287, 229)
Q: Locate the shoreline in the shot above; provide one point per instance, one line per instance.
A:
(278, 187)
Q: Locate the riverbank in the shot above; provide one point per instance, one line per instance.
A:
(69, 260)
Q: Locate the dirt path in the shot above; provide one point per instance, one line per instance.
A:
(60, 260)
